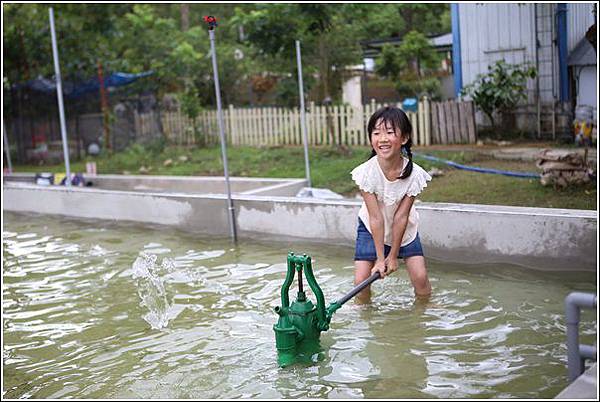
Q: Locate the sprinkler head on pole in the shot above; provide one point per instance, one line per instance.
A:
(211, 21)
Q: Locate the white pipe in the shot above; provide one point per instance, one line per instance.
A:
(59, 95)
(231, 214)
(6, 148)
(575, 358)
(302, 113)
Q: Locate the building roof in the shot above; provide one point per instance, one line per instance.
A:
(583, 54)
(372, 48)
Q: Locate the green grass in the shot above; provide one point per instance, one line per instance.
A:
(330, 168)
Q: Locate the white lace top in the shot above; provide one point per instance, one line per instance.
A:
(370, 178)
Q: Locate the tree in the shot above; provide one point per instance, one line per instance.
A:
(409, 65)
(500, 89)
(84, 34)
(424, 18)
(171, 40)
(328, 39)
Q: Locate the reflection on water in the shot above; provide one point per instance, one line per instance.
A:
(97, 310)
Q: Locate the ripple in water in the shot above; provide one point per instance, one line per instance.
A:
(105, 311)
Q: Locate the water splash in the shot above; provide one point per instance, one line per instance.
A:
(151, 288)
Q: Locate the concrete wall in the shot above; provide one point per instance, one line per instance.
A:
(184, 184)
(534, 237)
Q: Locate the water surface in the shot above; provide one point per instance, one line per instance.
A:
(93, 309)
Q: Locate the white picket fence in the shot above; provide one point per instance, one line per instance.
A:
(265, 126)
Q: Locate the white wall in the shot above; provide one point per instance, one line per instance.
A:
(351, 92)
(587, 87)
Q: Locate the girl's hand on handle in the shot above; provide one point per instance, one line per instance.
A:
(391, 263)
(379, 266)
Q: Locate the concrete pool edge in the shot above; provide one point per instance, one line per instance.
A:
(540, 238)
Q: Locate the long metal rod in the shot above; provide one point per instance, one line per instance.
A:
(358, 288)
(231, 214)
(59, 95)
(6, 148)
(303, 113)
(537, 75)
(554, 41)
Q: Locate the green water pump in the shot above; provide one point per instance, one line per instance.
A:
(300, 324)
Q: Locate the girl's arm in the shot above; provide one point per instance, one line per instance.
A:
(376, 223)
(399, 227)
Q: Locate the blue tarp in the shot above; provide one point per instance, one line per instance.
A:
(75, 90)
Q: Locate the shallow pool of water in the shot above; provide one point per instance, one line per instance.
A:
(92, 309)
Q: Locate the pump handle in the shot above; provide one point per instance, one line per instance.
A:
(359, 287)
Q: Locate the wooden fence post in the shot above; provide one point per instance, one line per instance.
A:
(434, 124)
(232, 129)
(326, 125)
(420, 123)
(427, 121)
(470, 112)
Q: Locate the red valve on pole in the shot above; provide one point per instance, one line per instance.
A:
(211, 21)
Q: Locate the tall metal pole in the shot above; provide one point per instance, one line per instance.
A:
(6, 149)
(59, 95)
(231, 214)
(302, 113)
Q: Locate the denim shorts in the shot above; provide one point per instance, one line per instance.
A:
(365, 246)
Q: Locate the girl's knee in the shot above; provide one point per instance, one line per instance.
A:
(362, 270)
(360, 276)
(421, 283)
(420, 277)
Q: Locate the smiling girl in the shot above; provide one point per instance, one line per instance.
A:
(387, 220)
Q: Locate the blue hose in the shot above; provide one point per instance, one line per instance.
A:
(478, 169)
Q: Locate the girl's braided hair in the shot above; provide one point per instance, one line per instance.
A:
(400, 123)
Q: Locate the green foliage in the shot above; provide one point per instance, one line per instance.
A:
(155, 147)
(152, 42)
(410, 65)
(84, 32)
(272, 27)
(141, 37)
(413, 86)
(330, 168)
(418, 51)
(390, 64)
(190, 102)
(501, 89)
(424, 18)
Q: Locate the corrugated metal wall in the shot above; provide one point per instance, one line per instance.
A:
(579, 18)
(547, 53)
(493, 31)
(490, 32)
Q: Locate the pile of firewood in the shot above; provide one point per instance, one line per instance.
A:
(562, 168)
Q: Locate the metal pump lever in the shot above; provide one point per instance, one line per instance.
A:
(333, 307)
(358, 288)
